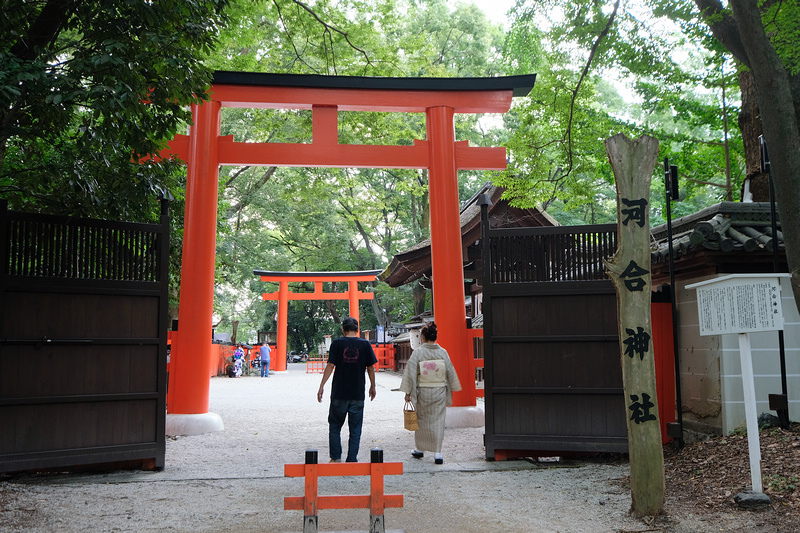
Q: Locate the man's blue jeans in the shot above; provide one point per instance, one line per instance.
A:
(354, 411)
(265, 368)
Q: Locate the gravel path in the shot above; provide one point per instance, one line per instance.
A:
(232, 481)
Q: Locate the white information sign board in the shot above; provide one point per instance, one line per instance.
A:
(739, 303)
(743, 304)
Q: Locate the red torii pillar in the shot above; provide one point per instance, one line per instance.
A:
(446, 255)
(191, 353)
(204, 150)
(352, 294)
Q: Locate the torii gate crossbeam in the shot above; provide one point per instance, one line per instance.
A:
(205, 150)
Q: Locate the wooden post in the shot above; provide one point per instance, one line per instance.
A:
(446, 253)
(376, 500)
(633, 162)
(310, 518)
(192, 352)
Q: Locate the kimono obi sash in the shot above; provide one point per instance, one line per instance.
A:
(432, 373)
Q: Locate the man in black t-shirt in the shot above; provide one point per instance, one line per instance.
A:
(349, 358)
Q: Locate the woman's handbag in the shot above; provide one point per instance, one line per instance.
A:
(410, 417)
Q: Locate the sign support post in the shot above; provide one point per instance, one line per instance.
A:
(743, 304)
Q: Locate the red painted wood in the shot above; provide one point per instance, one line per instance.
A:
(342, 469)
(310, 505)
(448, 270)
(296, 503)
(320, 296)
(283, 321)
(664, 354)
(327, 155)
(192, 354)
(312, 502)
(315, 277)
(376, 500)
(353, 295)
(325, 125)
(323, 153)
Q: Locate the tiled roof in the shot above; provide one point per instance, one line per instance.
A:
(415, 262)
(729, 227)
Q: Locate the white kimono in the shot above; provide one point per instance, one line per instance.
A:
(430, 379)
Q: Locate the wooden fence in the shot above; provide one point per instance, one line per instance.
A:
(83, 342)
(553, 379)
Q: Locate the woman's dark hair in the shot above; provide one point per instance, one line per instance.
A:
(429, 332)
(349, 324)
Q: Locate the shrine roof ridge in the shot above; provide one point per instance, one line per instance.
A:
(521, 85)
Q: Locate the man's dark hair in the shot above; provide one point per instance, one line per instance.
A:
(349, 324)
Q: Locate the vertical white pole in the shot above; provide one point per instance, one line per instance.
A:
(749, 388)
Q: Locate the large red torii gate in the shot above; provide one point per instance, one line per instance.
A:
(352, 295)
(205, 150)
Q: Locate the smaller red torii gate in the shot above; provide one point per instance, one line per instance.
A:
(352, 294)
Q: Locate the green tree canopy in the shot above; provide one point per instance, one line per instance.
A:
(685, 78)
(679, 92)
(87, 88)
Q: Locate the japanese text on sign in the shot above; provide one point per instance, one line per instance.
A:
(740, 305)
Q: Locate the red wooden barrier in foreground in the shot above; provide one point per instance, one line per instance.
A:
(311, 503)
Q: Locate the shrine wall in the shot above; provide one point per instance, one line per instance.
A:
(699, 368)
(711, 376)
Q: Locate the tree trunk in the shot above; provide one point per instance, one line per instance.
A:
(780, 125)
(778, 96)
(234, 330)
(750, 126)
(420, 295)
(633, 163)
(331, 306)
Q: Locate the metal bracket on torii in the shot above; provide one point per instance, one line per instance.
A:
(204, 150)
(283, 296)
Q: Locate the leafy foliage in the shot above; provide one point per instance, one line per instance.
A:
(87, 88)
(678, 75)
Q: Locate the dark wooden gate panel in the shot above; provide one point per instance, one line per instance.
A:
(552, 366)
(82, 342)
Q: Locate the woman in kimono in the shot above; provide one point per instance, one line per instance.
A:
(429, 382)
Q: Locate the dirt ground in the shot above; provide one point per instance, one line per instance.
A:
(232, 480)
(703, 477)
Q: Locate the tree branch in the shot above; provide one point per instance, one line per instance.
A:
(235, 175)
(701, 182)
(329, 29)
(44, 30)
(584, 74)
(724, 27)
(238, 208)
(286, 28)
(362, 231)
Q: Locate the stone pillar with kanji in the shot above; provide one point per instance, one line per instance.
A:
(633, 162)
